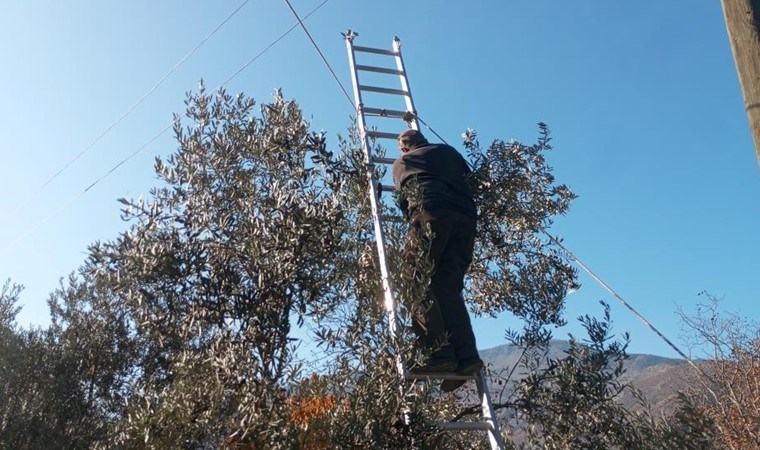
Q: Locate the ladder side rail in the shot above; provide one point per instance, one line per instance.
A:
(390, 304)
(405, 83)
(489, 416)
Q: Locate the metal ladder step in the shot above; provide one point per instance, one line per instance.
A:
(383, 135)
(395, 219)
(465, 426)
(378, 51)
(387, 188)
(382, 90)
(382, 112)
(378, 69)
(379, 160)
(437, 376)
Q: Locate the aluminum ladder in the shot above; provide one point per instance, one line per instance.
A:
(489, 423)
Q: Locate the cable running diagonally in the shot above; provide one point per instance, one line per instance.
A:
(329, 67)
(622, 301)
(154, 138)
(431, 129)
(245, 66)
(76, 197)
(130, 109)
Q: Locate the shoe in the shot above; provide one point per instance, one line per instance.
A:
(470, 366)
(435, 365)
(466, 367)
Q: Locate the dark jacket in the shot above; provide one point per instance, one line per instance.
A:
(442, 176)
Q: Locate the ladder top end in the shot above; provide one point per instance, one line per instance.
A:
(349, 35)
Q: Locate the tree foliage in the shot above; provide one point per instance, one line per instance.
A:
(514, 268)
(42, 394)
(243, 238)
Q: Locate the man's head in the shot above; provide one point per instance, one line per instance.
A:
(411, 139)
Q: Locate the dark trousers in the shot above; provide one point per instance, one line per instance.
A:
(442, 316)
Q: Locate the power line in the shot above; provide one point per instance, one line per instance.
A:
(245, 66)
(129, 110)
(431, 129)
(154, 138)
(329, 67)
(622, 300)
(80, 194)
(123, 161)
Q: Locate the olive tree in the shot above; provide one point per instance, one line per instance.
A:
(41, 395)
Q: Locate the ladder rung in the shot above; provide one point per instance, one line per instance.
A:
(396, 219)
(381, 134)
(386, 112)
(437, 376)
(465, 426)
(378, 51)
(387, 188)
(382, 90)
(378, 69)
(379, 160)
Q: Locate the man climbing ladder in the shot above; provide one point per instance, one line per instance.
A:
(447, 208)
(444, 206)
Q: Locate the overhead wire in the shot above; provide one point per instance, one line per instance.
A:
(620, 299)
(431, 129)
(85, 190)
(154, 138)
(272, 44)
(599, 280)
(329, 67)
(129, 110)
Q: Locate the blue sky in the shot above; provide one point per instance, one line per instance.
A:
(642, 99)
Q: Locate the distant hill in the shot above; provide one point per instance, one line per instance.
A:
(658, 378)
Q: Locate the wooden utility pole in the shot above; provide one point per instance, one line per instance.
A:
(743, 21)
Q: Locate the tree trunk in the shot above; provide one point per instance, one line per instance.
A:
(742, 20)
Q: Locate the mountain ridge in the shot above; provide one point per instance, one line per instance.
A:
(658, 378)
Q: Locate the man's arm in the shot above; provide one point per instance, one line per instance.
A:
(400, 196)
(468, 177)
(402, 203)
